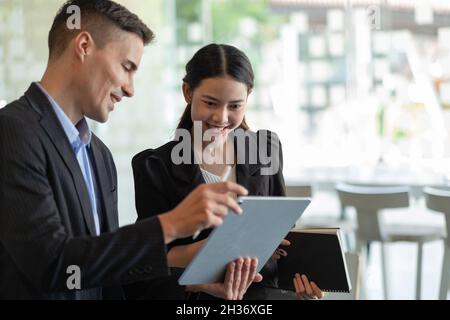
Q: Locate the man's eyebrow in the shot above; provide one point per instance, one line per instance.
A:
(237, 101)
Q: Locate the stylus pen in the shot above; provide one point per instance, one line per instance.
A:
(224, 178)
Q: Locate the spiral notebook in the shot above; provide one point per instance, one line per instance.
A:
(318, 254)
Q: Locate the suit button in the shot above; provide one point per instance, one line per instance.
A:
(139, 271)
(148, 269)
(135, 271)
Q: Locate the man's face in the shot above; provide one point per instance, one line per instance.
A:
(107, 75)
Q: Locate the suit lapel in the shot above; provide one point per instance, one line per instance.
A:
(187, 177)
(248, 177)
(56, 134)
(247, 174)
(103, 180)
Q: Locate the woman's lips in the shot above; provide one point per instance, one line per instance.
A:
(218, 128)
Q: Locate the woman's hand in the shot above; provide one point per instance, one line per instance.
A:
(280, 252)
(240, 275)
(306, 290)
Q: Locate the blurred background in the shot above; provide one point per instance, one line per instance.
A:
(357, 90)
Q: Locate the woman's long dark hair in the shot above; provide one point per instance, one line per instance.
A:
(216, 60)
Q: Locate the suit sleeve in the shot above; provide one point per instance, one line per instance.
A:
(154, 187)
(151, 179)
(277, 185)
(32, 233)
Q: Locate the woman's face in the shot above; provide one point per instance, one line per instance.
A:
(219, 103)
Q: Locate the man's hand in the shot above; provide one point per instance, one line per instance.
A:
(204, 208)
(181, 256)
(240, 275)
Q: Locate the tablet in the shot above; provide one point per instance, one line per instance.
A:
(258, 232)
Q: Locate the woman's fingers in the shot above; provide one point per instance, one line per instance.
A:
(305, 289)
(240, 275)
(253, 269)
(307, 285)
(300, 288)
(252, 277)
(237, 278)
(316, 290)
(296, 286)
(228, 283)
(258, 277)
(244, 278)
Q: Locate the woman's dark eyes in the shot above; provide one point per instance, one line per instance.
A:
(209, 103)
(231, 106)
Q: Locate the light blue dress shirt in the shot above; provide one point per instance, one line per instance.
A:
(80, 139)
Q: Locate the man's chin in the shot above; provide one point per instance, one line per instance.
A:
(104, 118)
(99, 118)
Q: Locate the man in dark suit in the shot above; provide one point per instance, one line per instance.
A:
(58, 184)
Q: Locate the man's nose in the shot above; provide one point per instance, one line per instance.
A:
(128, 89)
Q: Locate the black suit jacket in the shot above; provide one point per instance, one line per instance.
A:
(160, 186)
(46, 223)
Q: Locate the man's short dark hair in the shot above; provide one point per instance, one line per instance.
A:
(98, 17)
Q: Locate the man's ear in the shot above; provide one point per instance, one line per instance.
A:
(84, 45)
(187, 93)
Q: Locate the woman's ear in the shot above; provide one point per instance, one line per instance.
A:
(187, 93)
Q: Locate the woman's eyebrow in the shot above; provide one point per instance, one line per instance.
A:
(217, 100)
(210, 97)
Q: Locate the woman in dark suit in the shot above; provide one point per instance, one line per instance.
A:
(219, 79)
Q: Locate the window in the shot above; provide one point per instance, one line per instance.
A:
(347, 85)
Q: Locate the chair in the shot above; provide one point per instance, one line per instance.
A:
(322, 221)
(302, 191)
(368, 202)
(438, 199)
